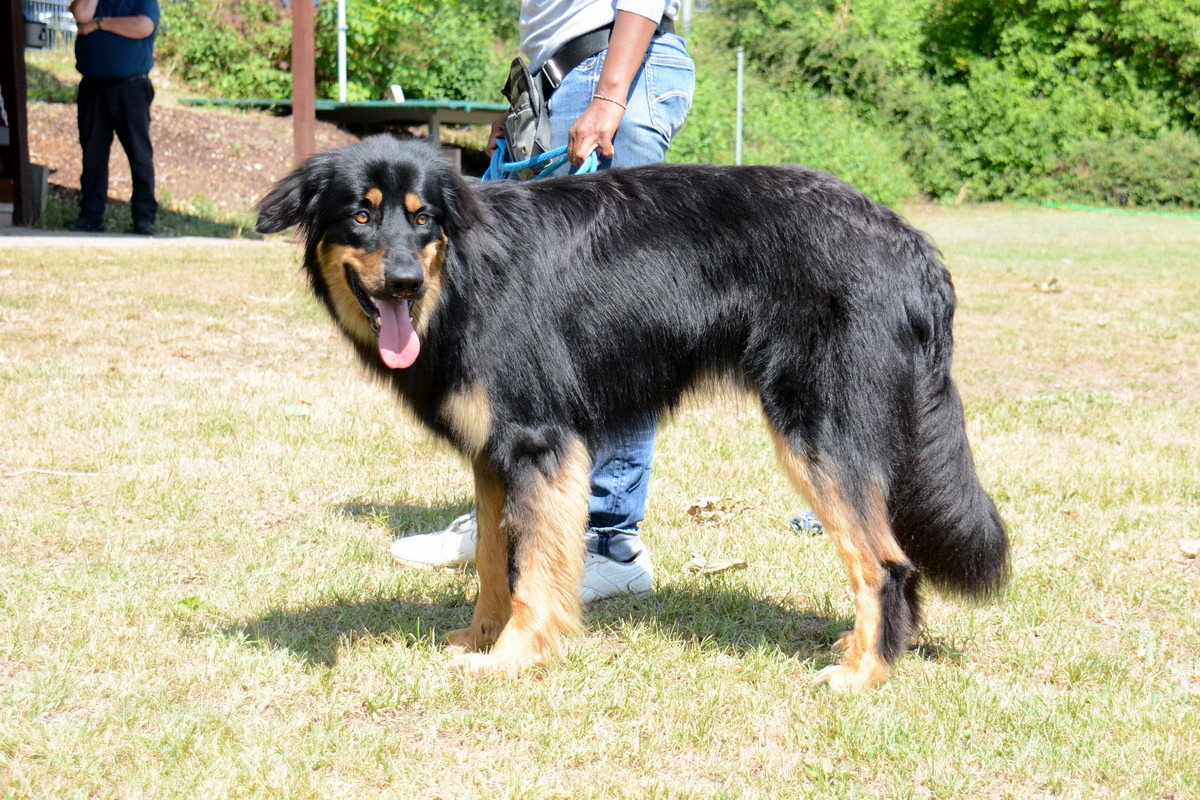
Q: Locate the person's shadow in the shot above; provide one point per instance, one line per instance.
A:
(717, 611)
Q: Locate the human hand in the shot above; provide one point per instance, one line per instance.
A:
(496, 132)
(594, 130)
(89, 27)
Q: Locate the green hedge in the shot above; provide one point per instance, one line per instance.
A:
(997, 135)
(1164, 171)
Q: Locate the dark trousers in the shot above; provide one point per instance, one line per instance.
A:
(121, 107)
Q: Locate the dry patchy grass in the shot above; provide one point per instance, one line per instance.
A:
(196, 597)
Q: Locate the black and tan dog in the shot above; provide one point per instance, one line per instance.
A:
(526, 322)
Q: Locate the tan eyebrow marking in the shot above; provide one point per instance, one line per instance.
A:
(412, 202)
(374, 197)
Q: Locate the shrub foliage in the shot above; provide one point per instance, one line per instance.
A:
(797, 125)
(242, 48)
(231, 48)
(431, 51)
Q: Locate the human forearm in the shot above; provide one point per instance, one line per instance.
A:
(84, 10)
(627, 46)
(136, 27)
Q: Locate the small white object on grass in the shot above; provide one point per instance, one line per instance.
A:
(703, 565)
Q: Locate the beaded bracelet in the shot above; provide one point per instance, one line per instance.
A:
(598, 96)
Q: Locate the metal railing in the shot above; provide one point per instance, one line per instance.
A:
(48, 24)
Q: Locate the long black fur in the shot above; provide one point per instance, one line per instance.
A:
(585, 304)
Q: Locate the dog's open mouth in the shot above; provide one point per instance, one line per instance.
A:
(391, 320)
(368, 305)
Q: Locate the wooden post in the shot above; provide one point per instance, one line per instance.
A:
(304, 87)
(15, 152)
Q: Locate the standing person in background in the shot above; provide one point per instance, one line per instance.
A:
(114, 52)
(620, 82)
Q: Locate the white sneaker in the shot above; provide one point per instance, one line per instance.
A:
(453, 547)
(603, 577)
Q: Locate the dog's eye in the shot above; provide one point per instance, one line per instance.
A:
(362, 217)
(422, 218)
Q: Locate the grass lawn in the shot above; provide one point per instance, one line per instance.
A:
(198, 489)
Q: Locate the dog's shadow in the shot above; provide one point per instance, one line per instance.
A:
(721, 615)
(718, 612)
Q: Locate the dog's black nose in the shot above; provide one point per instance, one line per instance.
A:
(403, 282)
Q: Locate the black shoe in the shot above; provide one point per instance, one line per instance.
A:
(143, 227)
(82, 225)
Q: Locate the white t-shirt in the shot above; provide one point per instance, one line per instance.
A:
(546, 25)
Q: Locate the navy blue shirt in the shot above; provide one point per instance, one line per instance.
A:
(102, 54)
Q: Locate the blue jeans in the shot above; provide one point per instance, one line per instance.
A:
(658, 104)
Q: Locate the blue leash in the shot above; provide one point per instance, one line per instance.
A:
(499, 168)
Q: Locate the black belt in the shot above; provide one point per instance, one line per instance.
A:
(573, 53)
(116, 81)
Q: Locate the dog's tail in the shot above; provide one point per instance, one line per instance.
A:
(941, 515)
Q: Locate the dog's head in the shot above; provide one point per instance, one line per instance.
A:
(378, 218)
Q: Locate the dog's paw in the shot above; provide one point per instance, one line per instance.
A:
(490, 664)
(466, 640)
(844, 680)
(843, 643)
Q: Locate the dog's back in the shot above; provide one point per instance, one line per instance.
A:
(692, 271)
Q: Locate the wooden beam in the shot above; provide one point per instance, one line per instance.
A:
(304, 81)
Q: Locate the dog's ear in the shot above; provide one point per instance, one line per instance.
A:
(460, 207)
(293, 199)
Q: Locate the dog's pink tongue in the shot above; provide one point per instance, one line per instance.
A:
(398, 342)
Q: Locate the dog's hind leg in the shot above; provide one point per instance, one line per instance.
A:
(494, 605)
(545, 513)
(881, 576)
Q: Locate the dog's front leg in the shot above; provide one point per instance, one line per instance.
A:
(494, 606)
(545, 511)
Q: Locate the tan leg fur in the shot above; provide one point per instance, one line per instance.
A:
(548, 520)
(494, 606)
(864, 542)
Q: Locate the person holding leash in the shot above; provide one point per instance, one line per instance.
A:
(619, 82)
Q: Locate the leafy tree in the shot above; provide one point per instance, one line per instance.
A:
(1152, 45)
